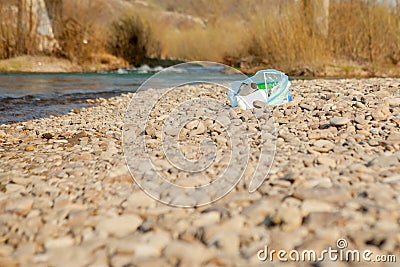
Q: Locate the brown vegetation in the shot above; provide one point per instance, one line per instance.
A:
(279, 34)
(251, 34)
(131, 39)
(365, 31)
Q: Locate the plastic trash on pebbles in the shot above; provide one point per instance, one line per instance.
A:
(268, 86)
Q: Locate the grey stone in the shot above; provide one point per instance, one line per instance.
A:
(384, 161)
(307, 106)
(119, 226)
(338, 121)
(327, 160)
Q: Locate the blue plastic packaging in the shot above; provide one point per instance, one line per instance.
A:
(269, 86)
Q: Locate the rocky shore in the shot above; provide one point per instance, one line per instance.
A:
(68, 199)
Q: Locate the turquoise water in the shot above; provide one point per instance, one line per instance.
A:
(26, 96)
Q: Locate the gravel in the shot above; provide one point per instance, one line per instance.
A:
(68, 199)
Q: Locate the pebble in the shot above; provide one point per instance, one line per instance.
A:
(360, 105)
(73, 256)
(199, 129)
(326, 160)
(170, 130)
(307, 106)
(393, 101)
(314, 205)
(63, 242)
(258, 211)
(228, 241)
(6, 250)
(360, 119)
(380, 113)
(73, 201)
(47, 136)
(119, 226)
(384, 161)
(207, 219)
(259, 104)
(333, 194)
(319, 134)
(138, 199)
(22, 206)
(290, 217)
(188, 254)
(60, 141)
(392, 179)
(394, 137)
(338, 121)
(323, 145)
(29, 148)
(192, 124)
(14, 188)
(374, 142)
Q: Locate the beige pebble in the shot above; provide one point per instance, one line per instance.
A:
(29, 148)
(22, 206)
(339, 121)
(392, 179)
(192, 124)
(138, 199)
(290, 217)
(323, 145)
(6, 250)
(62, 242)
(183, 253)
(228, 241)
(326, 160)
(119, 226)
(314, 205)
(326, 181)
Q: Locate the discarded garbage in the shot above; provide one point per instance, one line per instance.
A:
(268, 86)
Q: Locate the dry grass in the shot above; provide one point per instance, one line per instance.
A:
(198, 43)
(14, 41)
(234, 33)
(278, 34)
(78, 36)
(365, 31)
(284, 40)
(252, 33)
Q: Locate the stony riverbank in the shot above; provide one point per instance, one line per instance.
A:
(67, 198)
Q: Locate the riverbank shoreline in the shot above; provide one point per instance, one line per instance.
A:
(50, 64)
(68, 198)
(105, 62)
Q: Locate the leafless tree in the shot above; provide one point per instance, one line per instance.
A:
(317, 15)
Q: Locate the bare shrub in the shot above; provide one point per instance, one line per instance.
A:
(78, 38)
(284, 39)
(364, 30)
(130, 39)
(281, 34)
(15, 37)
(8, 31)
(77, 42)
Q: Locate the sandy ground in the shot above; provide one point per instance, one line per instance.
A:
(68, 199)
(45, 64)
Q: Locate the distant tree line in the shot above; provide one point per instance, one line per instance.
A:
(255, 32)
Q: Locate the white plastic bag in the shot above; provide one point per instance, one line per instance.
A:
(269, 86)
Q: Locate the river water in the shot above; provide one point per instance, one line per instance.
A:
(27, 96)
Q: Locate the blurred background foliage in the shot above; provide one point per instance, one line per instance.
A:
(299, 35)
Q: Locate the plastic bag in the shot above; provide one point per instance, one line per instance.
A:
(269, 86)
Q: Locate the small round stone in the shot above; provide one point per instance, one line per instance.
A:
(339, 121)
